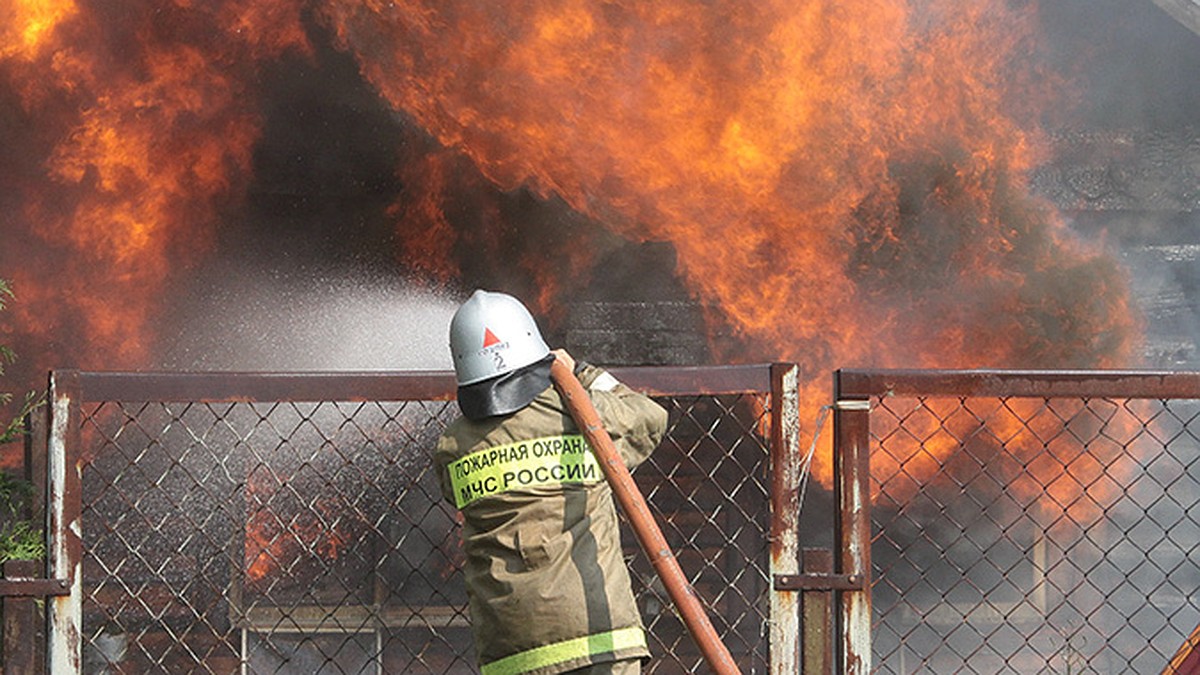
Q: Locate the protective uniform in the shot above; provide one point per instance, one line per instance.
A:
(548, 587)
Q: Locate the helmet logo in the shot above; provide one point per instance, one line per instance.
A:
(489, 338)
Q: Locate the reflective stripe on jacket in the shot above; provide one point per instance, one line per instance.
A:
(548, 586)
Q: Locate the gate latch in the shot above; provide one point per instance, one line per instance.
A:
(819, 582)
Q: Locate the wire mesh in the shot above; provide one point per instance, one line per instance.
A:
(1034, 535)
(311, 537)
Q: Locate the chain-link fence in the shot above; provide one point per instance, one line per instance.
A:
(1033, 522)
(1023, 522)
(241, 524)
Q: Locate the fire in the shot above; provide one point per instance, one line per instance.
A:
(842, 186)
(278, 537)
(1064, 457)
(27, 23)
(142, 147)
(433, 248)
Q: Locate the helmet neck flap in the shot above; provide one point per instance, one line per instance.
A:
(505, 394)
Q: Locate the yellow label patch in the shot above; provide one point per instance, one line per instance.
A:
(551, 460)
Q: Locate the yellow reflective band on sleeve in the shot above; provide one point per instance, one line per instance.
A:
(567, 650)
(549, 460)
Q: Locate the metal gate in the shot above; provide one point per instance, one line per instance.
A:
(255, 523)
(1031, 522)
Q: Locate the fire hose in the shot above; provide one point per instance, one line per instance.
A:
(642, 520)
(1187, 659)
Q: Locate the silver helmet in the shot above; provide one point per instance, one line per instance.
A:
(492, 334)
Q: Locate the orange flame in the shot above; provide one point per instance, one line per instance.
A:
(158, 136)
(276, 538)
(1065, 457)
(843, 187)
(26, 24)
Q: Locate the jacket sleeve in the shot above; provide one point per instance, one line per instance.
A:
(634, 421)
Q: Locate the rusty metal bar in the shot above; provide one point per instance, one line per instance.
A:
(785, 516)
(35, 461)
(818, 615)
(820, 581)
(686, 381)
(1018, 383)
(20, 624)
(28, 586)
(383, 386)
(642, 521)
(64, 546)
(852, 494)
(250, 387)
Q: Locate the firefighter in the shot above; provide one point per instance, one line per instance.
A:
(548, 587)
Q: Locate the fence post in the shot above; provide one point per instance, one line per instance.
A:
(64, 549)
(852, 494)
(785, 516)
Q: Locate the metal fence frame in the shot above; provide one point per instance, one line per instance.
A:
(857, 391)
(820, 603)
(70, 389)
